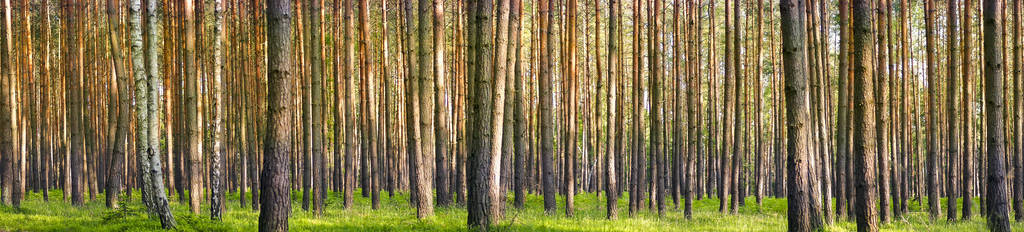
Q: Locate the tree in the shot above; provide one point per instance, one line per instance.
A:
(425, 186)
(793, 53)
(522, 150)
(933, 112)
(953, 129)
(120, 136)
(1018, 128)
(217, 187)
(611, 184)
(275, 200)
(882, 109)
(570, 83)
(192, 132)
(998, 215)
(351, 140)
(316, 79)
(724, 166)
(485, 77)
(546, 103)
(864, 151)
(72, 97)
(6, 143)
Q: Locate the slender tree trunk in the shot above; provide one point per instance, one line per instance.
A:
(953, 140)
(6, 142)
(612, 155)
(998, 215)
(934, 102)
(793, 49)
(217, 187)
(864, 150)
(546, 103)
(522, 150)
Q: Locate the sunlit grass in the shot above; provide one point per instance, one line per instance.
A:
(396, 214)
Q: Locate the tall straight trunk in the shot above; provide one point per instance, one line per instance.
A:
(275, 198)
(952, 93)
(998, 215)
(546, 98)
(217, 187)
(338, 103)
(639, 169)
(795, 70)
(47, 134)
(759, 165)
(305, 80)
(864, 150)
(483, 67)
(724, 170)
(425, 184)
(612, 155)
(6, 142)
(73, 86)
(966, 168)
(842, 124)
(442, 143)
(882, 109)
(934, 143)
(569, 83)
(192, 133)
(368, 146)
(739, 112)
(351, 138)
(1018, 197)
(521, 136)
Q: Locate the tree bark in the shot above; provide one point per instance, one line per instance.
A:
(485, 76)
(275, 198)
(998, 215)
(864, 150)
(612, 155)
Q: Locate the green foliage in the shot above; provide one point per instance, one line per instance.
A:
(395, 214)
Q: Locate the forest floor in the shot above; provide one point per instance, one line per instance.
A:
(395, 214)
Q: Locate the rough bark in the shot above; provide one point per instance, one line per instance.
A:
(934, 101)
(611, 156)
(864, 150)
(485, 95)
(275, 199)
(794, 68)
(998, 212)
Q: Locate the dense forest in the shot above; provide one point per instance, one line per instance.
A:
(850, 114)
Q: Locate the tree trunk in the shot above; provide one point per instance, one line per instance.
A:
(864, 150)
(612, 155)
(998, 215)
(217, 187)
(275, 201)
(953, 143)
(485, 96)
(795, 63)
(546, 99)
(934, 101)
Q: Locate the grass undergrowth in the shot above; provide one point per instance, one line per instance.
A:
(396, 214)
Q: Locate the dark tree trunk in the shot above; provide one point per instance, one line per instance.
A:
(276, 200)
(998, 215)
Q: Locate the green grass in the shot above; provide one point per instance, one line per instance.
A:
(395, 214)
